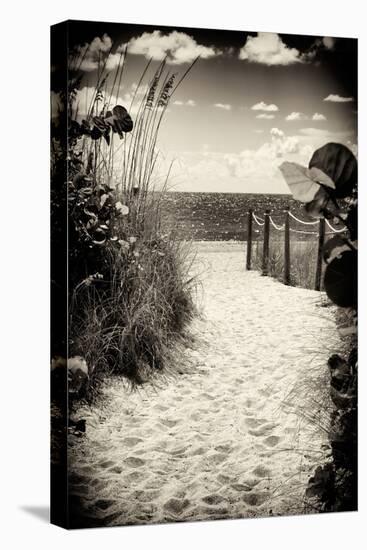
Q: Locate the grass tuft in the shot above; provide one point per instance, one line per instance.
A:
(131, 292)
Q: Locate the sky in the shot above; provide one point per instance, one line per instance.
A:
(251, 101)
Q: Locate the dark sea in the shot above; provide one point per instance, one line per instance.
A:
(223, 216)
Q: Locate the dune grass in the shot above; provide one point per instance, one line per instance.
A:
(131, 293)
(303, 256)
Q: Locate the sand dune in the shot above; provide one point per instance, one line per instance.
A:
(218, 440)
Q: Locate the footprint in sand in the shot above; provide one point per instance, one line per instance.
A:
(135, 462)
(261, 471)
(213, 512)
(254, 499)
(179, 453)
(223, 479)
(266, 391)
(213, 500)
(116, 470)
(145, 496)
(106, 463)
(217, 458)
(135, 476)
(80, 490)
(103, 504)
(162, 408)
(254, 422)
(241, 487)
(76, 479)
(131, 441)
(263, 430)
(272, 440)
(226, 448)
(168, 423)
(176, 506)
(208, 396)
(87, 469)
(100, 484)
(134, 419)
(94, 482)
(199, 451)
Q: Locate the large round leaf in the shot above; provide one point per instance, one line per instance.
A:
(341, 279)
(334, 247)
(123, 119)
(339, 163)
(302, 186)
(119, 120)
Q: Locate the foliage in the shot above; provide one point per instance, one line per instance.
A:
(330, 178)
(130, 293)
(303, 260)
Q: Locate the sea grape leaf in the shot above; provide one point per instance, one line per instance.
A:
(301, 185)
(319, 176)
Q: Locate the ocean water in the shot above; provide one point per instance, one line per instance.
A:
(223, 216)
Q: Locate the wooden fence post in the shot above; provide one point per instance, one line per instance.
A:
(249, 239)
(265, 266)
(287, 262)
(319, 254)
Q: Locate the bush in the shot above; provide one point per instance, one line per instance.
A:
(130, 292)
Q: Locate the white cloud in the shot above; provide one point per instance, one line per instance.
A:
(318, 116)
(353, 147)
(188, 103)
(88, 57)
(269, 49)
(251, 170)
(314, 132)
(178, 47)
(319, 133)
(224, 106)
(264, 107)
(335, 98)
(265, 116)
(296, 116)
(86, 95)
(328, 42)
(276, 132)
(139, 90)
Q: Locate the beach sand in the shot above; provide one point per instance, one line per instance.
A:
(227, 437)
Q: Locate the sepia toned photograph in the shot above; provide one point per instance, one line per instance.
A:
(204, 244)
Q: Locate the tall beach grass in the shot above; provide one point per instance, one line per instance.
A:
(303, 257)
(131, 293)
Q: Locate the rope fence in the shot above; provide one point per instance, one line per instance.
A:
(287, 229)
(259, 221)
(333, 229)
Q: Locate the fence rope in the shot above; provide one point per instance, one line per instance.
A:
(259, 221)
(333, 229)
(278, 227)
(304, 222)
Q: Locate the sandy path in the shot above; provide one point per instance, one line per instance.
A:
(217, 440)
